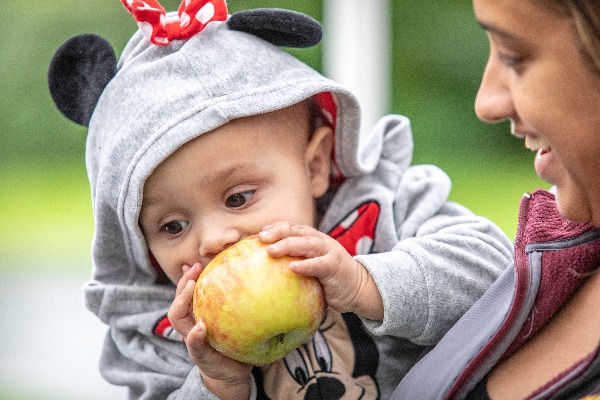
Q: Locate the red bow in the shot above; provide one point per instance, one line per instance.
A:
(192, 17)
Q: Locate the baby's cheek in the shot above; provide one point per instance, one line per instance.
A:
(163, 275)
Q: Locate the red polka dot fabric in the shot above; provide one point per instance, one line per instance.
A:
(191, 18)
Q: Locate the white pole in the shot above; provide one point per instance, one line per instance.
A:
(357, 52)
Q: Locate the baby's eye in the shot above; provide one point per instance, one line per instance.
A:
(174, 227)
(239, 199)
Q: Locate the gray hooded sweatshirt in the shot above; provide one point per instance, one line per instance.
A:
(430, 258)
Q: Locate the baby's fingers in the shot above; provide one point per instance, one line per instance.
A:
(198, 349)
(180, 311)
(212, 363)
(281, 230)
(189, 273)
(314, 267)
(300, 246)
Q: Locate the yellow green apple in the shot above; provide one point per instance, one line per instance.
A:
(256, 310)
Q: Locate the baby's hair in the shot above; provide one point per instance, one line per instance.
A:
(315, 115)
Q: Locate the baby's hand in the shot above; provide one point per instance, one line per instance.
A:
(223, 376)
(347, 284)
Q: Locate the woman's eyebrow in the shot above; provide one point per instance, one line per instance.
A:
(491, 28)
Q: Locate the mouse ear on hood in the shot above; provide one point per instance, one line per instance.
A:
(280, 27)
(78, 73)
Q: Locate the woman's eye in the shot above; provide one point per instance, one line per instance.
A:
(511, 61)
(239, 199)
(174, 227)
(508, 54)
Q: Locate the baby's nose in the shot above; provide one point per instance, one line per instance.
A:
(213, 244)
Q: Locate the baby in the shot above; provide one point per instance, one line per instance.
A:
(198, 139)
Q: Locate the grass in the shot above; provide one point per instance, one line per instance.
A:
(45, 218)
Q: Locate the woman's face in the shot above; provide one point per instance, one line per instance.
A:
(537, 78)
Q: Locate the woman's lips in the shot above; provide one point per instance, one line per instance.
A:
(543, 158)
(542, 164)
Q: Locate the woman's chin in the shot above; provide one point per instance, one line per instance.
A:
(571, 207)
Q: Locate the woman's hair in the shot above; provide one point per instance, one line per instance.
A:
(585, 16)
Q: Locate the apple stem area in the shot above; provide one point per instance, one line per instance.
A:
(278, 339)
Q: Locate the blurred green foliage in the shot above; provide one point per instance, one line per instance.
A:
(438, 55)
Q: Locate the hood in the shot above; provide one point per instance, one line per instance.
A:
(161, 97)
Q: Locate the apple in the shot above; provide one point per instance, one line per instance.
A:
(256, 310)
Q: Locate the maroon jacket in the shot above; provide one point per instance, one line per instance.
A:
(552, 259)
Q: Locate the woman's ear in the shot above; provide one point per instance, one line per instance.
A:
(318, 159)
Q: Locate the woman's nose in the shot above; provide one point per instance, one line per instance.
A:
(493, 102)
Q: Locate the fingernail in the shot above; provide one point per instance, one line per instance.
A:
(273, 247)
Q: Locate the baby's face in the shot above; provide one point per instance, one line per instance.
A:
(227, 184)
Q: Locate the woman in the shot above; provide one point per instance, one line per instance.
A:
(536, 331)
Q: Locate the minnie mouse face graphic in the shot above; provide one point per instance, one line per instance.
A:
(340, 361)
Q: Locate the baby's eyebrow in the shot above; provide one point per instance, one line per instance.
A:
(225, 173)
(149, 201)
(209, 179)
(230, 170)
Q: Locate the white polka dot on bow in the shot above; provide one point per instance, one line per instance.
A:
(206, 13)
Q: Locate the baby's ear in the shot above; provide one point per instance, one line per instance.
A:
(318, 159)
(79, 71)
(277, 26)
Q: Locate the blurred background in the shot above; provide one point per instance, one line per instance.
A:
(50, 343)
